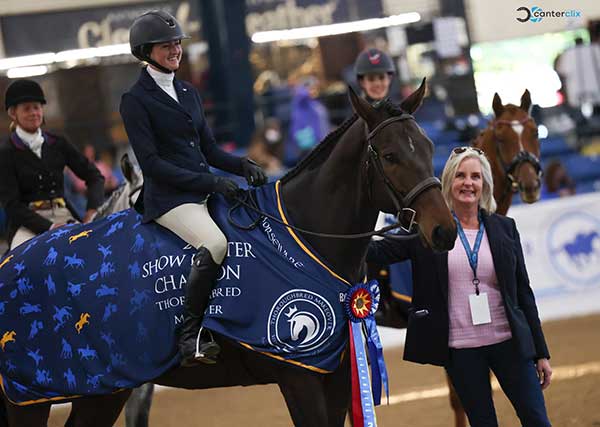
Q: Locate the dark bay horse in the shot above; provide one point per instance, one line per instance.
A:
(378, 160)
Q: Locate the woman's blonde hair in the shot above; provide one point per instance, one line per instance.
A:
(487, 202)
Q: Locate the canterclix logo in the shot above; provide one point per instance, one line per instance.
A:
(536, 14)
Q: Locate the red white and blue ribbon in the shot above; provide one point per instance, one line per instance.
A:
(361, 304)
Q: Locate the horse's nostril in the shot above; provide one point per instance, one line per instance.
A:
(443, 238)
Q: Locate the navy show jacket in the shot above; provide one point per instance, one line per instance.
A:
(427, 335)
(173, 145)
(25, 178)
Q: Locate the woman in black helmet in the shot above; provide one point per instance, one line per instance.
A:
(174, 146)
(31, 169)
(374, 71)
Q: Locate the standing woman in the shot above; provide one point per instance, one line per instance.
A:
(473, 308)
(32, 162)
(174, 146)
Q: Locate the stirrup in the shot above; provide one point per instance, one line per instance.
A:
(207, 356)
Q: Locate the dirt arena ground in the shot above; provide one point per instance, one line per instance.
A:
(418, 393)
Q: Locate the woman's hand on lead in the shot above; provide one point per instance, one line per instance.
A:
(253, 173)
(544, 372)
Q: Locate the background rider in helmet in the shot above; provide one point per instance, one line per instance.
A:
(174, 146)
(31, 169)
(374, 70)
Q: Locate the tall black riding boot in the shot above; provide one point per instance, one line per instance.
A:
(193, 347)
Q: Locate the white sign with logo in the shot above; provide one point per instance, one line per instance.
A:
(561, 244)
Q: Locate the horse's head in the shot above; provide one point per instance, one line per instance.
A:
(515, 147)
(400, 170)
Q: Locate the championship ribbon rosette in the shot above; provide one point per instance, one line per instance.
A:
(361, 304)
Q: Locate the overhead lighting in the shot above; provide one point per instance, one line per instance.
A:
(18, 73)
(49, 58)
(26, 61)
(334, 29)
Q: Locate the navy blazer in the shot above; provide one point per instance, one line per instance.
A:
(427, 335)
(173, 145)
(25, 177)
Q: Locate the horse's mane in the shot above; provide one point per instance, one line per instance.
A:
(322, 151)
(107, 207)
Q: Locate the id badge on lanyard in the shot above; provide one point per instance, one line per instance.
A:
(478, 302)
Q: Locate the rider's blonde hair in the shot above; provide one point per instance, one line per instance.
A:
(487, 202)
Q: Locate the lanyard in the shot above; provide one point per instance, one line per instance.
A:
(472, 254)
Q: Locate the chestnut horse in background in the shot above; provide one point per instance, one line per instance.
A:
(511, 144)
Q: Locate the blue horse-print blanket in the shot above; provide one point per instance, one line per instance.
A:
(92, 308)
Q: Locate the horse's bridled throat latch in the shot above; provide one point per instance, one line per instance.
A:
(402, 202)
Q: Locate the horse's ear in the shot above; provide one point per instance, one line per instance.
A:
(526, 101)
(362, 107)
(127, 167)
(497, 105)
(415, 99)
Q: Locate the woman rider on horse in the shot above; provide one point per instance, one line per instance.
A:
(174, 146)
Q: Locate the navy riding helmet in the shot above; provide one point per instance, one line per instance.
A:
(156, 26)
(373, 61)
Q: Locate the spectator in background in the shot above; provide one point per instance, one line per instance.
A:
(473, 307)
(266, 147)
(309, 122)
(557, 182)
(110, 181)
(31, 169)
(579, 70)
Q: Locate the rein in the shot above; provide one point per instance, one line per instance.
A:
(401, 201)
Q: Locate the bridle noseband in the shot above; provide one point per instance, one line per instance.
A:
(521, 157)
(402, 201)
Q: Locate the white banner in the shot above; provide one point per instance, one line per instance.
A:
(561, 243)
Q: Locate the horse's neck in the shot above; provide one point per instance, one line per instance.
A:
(502, 196)
(332, 198)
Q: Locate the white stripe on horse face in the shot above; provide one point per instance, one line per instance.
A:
(518, 127)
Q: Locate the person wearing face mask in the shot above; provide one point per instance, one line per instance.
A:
(31, 169)
(174, 146)
(473, 309)
(374, 70)
(266, 147)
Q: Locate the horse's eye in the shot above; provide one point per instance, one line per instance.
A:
(391, 157)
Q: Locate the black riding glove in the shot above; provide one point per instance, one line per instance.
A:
(226, 187)
(253, 173)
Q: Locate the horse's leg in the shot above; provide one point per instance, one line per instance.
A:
(137, 409)
(304, 395)
(338, 393)
(97, 411)
(27, 416)
(460, 418)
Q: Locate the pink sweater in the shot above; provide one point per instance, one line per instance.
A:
(463, 334)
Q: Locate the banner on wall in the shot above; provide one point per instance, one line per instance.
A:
(85, 28)
(561, 244)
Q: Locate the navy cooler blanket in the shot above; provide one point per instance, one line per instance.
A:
(92, 308)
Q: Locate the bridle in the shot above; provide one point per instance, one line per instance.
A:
(402, 201)
(510, 169)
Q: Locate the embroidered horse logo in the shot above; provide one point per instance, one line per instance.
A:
(7, 337)
(6, 261)
(302, 320)
(83, 320)
(73, 261)
(85, 233)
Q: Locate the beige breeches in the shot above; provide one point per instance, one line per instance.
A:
(56, 215)
(192, 222)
